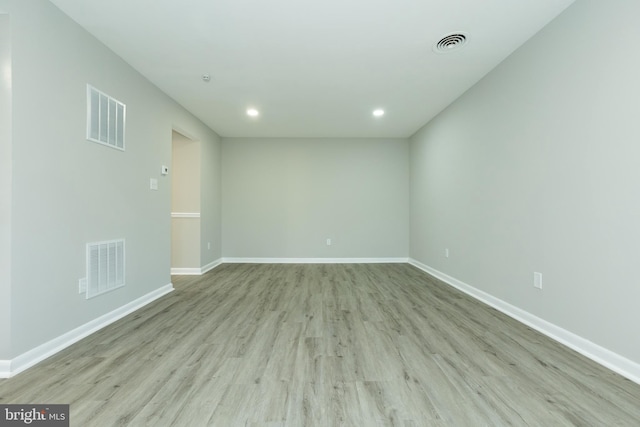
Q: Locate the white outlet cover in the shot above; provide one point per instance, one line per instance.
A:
(537, 280)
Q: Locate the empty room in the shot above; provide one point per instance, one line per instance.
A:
(306, 213)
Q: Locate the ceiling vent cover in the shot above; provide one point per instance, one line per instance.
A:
(450, 42)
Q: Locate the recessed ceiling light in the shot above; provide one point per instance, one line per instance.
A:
(252, 112)
(378, 113)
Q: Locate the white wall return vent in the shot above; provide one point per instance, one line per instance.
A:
(105, 267)
(105, 119)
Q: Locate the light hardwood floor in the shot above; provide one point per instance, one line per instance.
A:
(323, 345)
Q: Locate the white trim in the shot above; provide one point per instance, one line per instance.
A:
(5, 368)
(210, 266)
(178, 271)
(184, 133)
(185, 214)
(9, 368)
(315, 260)
(601, 355)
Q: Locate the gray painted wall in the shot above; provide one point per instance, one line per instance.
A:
(282, 198)
(210, 202)
(5, 183)
(536, 169)
(68, 191)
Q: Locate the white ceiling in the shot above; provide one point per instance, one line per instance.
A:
(313, 68)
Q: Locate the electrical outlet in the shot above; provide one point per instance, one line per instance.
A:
(82, 285)
(537, 280)
(328, 242)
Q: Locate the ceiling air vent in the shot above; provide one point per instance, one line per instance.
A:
(450, 42)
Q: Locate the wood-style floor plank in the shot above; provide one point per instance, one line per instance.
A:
(323, 345)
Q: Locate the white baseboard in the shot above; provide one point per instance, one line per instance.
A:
(617, 363)
(196, 271)
(9, 368)
(315, 260)
(210, 266)
(185, 271)
(5, 368)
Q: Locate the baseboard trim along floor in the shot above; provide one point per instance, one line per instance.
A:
(9, 368)
(315, 260)
(178, 271)
(182, 271)
(324, 344)
(195, 271)
(607, 358)
(601, 355)
(210, 266)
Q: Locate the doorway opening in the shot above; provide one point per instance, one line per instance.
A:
(185, 204)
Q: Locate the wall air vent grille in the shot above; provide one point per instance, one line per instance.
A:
(105, 119)
(450, 42)
(105, 267)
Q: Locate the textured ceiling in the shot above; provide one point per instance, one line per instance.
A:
(312, 68)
